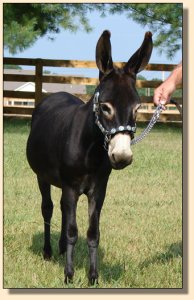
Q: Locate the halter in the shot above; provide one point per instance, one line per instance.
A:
(108, 133)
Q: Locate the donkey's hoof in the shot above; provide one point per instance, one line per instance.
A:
(69, 273)
(93, 278)
(68, 279)
(47, 252)
(93, 281)
(47, 255)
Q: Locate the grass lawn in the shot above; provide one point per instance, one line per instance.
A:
(141, 221)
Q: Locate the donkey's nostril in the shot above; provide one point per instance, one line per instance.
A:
(119, 152)
(121, 159)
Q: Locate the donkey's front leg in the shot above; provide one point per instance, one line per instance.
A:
(95, 200)
(69, 233)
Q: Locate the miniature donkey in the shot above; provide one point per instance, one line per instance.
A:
(65, 147)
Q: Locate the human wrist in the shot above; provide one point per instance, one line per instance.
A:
(170, 85)
(176, 76)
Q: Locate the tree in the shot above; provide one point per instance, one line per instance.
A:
(163, 19)
(24, 23)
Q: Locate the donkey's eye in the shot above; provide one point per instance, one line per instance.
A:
(107, 109)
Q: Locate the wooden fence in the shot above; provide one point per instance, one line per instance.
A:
(39, 78)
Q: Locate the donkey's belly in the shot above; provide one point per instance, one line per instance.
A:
(82, 184)
(52, 177)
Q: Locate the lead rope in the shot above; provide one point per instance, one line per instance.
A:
(153, 121)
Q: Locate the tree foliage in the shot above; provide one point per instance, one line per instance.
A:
(163, 19)
(24, 23)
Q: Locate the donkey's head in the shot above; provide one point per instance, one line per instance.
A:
(117, 98)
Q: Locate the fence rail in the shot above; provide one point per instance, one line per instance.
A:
(39, 78)
(76, 63)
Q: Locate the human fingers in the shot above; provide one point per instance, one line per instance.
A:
(157, 96)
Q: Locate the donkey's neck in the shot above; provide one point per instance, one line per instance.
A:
(86, 139)
(92, 130)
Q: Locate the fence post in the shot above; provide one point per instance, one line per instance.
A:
(38, 81)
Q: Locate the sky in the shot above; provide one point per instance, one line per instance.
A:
(126, 37)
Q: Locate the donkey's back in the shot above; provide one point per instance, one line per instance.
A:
(56, 104)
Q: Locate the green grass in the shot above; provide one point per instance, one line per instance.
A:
(141, 221)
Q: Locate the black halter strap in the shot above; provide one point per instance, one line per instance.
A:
(108, 133)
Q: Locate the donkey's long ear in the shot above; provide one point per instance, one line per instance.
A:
(140, 58)
(103, 54)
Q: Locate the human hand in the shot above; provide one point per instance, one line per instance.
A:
(162, 94)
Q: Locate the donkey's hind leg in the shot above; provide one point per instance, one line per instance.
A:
(47, 210)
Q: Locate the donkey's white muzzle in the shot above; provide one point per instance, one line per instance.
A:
(119, 151)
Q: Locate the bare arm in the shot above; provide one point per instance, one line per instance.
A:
(162, 94)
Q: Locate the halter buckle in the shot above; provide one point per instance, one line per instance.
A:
(96, 103)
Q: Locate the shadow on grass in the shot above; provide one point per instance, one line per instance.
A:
(174, 250)
(12, 125)
(109, 272)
